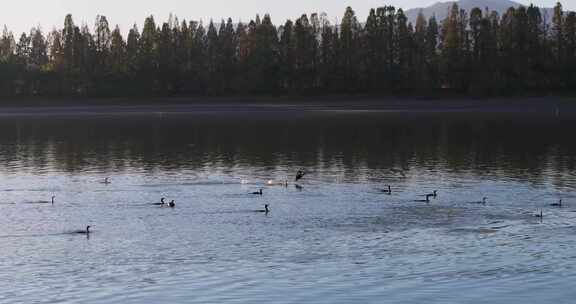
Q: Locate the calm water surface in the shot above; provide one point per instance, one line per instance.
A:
(334, 239)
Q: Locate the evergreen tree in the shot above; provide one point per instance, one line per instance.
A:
(558, 33)
(148, 57)
(23, 50)
(349, 44)
(535, 40)
(305, 48)
(68, 42)
(213, 58)
(263, 59)
(102, 42)
(404, 46)
(287, 49)
(133, 50)
(165, 59)
(420, 64)
(118, 53)
(372, 46)
(229, 54)
(38, 48)
(451, 50)
(431, 53)
(329, 51)
(570, 48)
(56, 56)
(148, 46)
(7, 46)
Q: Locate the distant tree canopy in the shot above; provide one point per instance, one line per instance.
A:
(478, 52)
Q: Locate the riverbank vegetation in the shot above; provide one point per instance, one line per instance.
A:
(477, 52)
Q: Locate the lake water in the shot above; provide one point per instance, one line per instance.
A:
(336, 238)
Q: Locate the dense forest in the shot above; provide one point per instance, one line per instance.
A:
(477, 52)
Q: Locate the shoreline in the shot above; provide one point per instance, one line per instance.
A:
(539, 106)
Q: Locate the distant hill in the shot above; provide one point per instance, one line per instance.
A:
(440, 9)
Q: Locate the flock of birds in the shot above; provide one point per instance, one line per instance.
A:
(172, 204)
(299, 175)
(484, 200)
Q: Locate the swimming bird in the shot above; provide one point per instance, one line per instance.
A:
(483, 202)
(540, 216)
(259, 192)
(106, 181)
(266, 210)
(299, 175)
(387, 191)
(161, 203)
(87, 231)
(427, 200)
(558, 204)
(171, 204)
(43, 202)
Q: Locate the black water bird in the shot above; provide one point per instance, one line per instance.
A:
(434, 194)
(540, 215)
(43, 202)
(427, 200)
(298, 187)
(171, 204)
(299, 175)
(87, 231)
(558, 204)
(483, 201)
(266, 209)
(259, 192)
(387, 191)
(161, 203)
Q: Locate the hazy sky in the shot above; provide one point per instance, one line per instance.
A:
(21, 15)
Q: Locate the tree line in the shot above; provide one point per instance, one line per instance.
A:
(479, 52)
